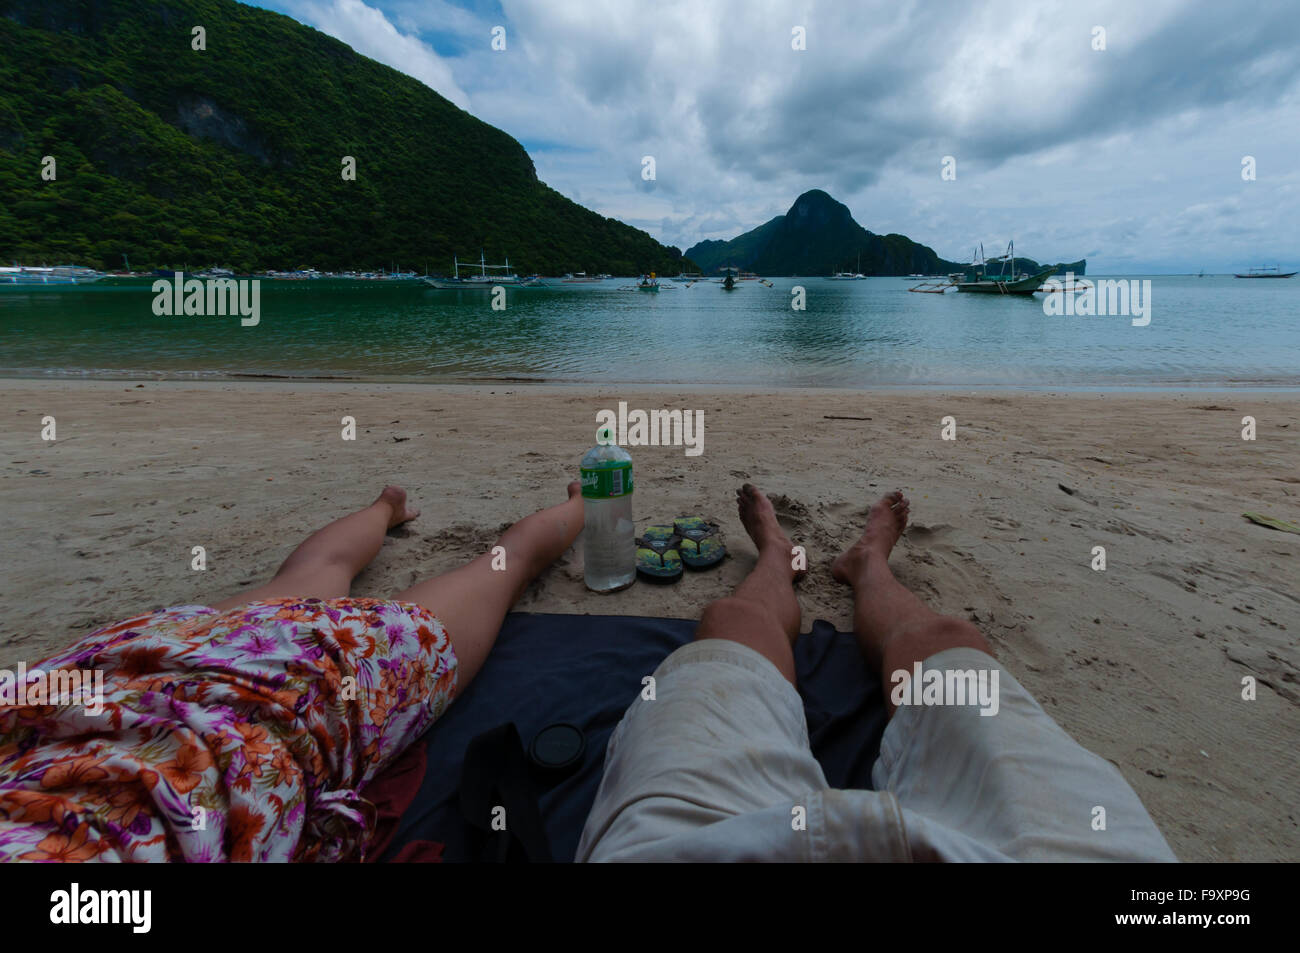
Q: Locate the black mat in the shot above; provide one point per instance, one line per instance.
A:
(587, 669)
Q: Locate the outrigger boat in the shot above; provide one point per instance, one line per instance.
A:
(850, 275)
(481, 280)
(58, 275)
(648, 283)
(1002, 283)
(1271, 272)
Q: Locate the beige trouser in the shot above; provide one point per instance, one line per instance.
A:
(717, 767)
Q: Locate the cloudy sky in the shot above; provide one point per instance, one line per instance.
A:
(1129, 155)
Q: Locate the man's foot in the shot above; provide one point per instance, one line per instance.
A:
(395, 498)
(885, 523)
(758, 517)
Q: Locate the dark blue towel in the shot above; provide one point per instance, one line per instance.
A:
(587, 669)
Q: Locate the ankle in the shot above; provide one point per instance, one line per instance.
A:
(779, 559)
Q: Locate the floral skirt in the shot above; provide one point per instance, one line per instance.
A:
(242, 735)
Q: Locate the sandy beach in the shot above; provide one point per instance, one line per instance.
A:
(1142, 663)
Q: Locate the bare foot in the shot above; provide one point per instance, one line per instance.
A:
(759, 519)
(574, 489)
(885, 523)
(395, 498)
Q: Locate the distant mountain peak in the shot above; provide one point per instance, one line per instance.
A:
(818, 236)
(817, 209)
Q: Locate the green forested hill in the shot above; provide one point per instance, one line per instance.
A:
(233, 155)
(818, 236)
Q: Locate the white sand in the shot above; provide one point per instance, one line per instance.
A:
(1142, 663)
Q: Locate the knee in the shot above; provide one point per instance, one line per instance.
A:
(731, 613)
(947, 632)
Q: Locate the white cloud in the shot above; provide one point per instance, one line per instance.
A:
(1067, 149)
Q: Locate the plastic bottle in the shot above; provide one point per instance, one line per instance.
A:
(608, 533)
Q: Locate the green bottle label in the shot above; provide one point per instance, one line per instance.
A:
(604, 483)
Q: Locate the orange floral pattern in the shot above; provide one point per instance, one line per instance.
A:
(242, 735)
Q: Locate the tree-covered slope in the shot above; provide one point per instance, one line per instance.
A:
(233, 155)
(818, 236)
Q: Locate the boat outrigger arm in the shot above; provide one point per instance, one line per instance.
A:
(985, 283)
(483, 267)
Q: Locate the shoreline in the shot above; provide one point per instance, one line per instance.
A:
(217, 380)
(1141, 663)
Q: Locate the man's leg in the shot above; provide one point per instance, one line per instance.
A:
(893, 626)
(723, 737)
(324, 565)
(979, 781)
(472, 601)
(763, 612)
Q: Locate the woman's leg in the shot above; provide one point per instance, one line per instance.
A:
(894, 627)
(324, 564)
(763, 612)
(472, 601)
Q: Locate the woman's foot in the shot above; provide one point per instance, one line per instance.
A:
(394, 497)
(758, 516)
(886, 521)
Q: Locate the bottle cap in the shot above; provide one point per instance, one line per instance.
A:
(558, 747)
(605, 436)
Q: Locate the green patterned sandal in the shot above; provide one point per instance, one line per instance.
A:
(701, 547)
(658, 558)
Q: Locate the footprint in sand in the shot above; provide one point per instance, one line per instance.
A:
(926, 533)
(791, 514)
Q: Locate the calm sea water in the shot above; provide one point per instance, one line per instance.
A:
(1203, 332)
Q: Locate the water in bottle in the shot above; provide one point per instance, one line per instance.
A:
(608, 534)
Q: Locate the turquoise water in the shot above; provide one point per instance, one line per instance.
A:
(1203, 332)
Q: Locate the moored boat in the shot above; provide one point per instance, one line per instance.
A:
(472, 281)
(1004, 282)
(850, 275)
(26, 276)
(1270, 272)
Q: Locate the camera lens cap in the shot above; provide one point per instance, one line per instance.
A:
(558, 747)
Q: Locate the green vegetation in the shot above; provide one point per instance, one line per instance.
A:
(233, 155)
(818, 236)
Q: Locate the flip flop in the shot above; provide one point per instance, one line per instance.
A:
(658, 558)
(701, 547)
